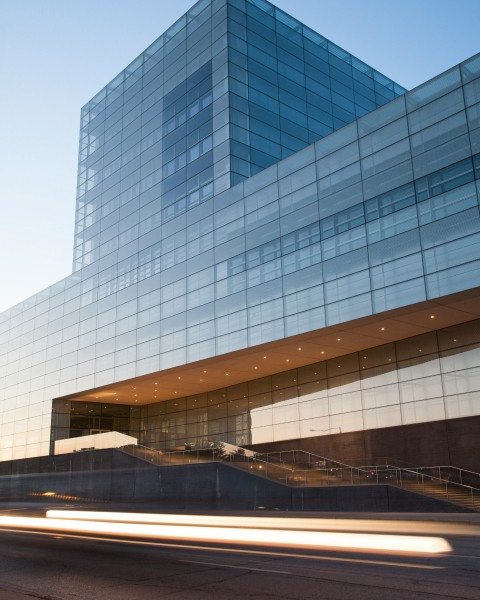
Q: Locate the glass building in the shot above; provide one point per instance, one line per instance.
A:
(276, 246)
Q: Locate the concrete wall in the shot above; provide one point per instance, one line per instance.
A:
(111, 476)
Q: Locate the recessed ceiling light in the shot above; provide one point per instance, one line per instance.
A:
(201, 379)
(299, 348)
(382, 328)
(179, 377)
(204, 371)
(227, 373)
(322, 352)
(255, 367)
(432, 316)
(287, 360)
(339, 339)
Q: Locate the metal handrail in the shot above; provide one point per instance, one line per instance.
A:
(316, 470)
(316, 458)
(427, 467)
(442, 473)
(386, 460)
(399, 476)
(369, 467)
(207, 454)
(160, 457)
(469, 479)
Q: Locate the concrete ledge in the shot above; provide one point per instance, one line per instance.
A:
(112, 476)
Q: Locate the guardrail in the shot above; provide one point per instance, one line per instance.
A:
(300, 468)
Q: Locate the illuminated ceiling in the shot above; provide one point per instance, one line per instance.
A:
(267, 359)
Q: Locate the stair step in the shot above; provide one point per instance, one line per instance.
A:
(310, 470)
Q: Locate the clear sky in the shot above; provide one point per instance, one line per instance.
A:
(56, 54)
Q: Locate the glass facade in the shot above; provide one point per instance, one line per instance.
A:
(208, 223)
(429, 377)
(289, 86)
(231, 88)
(147, 147)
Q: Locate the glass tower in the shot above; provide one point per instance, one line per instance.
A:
(230, 89)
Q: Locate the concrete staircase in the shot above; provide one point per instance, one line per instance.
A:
(297, 468)
(454, 493)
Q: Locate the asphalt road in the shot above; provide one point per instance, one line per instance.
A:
(64, 568)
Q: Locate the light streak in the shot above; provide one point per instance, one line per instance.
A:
(297, 523)
(245, 551)
(287, 538)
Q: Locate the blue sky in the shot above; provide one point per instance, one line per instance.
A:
(56, 54)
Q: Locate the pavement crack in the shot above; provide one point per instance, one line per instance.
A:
(28, 593)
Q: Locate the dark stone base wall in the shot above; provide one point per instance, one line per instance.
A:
(453, 442)
(110, 476)
(113, 476)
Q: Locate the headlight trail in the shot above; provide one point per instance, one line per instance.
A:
(287, 538)
(297, 523)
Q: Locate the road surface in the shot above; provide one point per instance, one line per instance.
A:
(58, 567)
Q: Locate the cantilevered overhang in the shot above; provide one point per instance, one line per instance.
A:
(289, 353)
